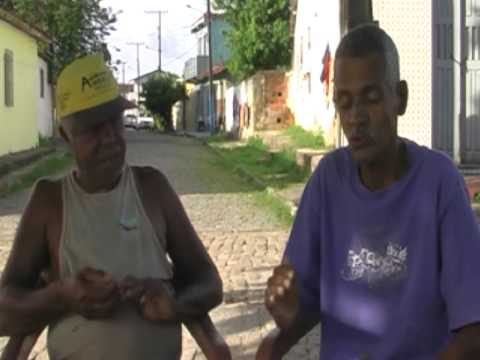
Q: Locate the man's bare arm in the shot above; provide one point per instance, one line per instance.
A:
(465, 345)
(279, 342)
(196, 280)
(23, 309)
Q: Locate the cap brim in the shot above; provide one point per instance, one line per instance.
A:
(118, 105)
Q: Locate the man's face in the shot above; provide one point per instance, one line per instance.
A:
(368, 106)
(99, 147)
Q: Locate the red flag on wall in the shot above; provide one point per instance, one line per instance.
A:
(327, 66)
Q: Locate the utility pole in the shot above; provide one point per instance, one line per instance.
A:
(211, 124)
(123, 71)
(159, 13)
(137, 44)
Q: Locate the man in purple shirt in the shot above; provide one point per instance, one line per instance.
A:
(385, 249)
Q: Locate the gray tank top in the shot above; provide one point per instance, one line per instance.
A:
(111, 232)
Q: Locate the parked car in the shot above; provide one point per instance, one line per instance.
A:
(146, 122)
(130, 121)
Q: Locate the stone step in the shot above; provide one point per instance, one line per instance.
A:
(309, 158)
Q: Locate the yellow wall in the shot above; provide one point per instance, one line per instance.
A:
(18, 124)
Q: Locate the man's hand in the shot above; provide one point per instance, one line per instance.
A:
(155, 298)
(91, 293)
(281, 296)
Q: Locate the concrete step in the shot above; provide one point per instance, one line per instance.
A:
(309, 158)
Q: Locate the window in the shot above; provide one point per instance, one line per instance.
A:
(42, 83)
(301, 50)
(309, 83)
(309, 39)
(8, 71)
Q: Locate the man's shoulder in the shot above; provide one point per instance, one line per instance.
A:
(437, 172)
(436, 163)
(47, 188)
(45, 203)
(333, 163)
(148, 174)
(151, 181)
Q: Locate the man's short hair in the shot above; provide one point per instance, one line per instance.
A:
(369, 39)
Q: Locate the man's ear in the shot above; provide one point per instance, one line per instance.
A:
(402, 92)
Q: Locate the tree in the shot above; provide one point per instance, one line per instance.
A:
(77, 27)
(161, 92)
(259, 38)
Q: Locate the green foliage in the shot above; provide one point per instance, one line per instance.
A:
(476, 198)
(276, 170)
(259, 38)
(78, 27)
(161, 92)
(158, 122)
(302, 138)
(217, 138)
(52, 165)
(44, 141)
(275, 205)
(257, 143)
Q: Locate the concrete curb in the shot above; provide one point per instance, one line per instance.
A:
(11, 163)
(245, 174)
(291, 205)
(16, 169)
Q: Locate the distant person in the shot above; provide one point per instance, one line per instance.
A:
(385, 248)
(125, 264)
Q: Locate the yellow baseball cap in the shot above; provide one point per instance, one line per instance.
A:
(87, 87)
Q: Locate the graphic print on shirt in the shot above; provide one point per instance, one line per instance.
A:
(376, 267)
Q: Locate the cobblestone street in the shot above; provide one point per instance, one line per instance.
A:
(244, 239)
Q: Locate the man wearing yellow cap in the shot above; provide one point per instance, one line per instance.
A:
(125, 263)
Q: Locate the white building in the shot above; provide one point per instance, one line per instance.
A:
(432, 38)
(439, 45)
(318, 27)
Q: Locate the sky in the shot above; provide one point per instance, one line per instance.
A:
(134, 25)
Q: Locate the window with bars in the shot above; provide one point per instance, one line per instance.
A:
(8, 78)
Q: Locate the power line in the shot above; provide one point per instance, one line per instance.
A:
(181, 56)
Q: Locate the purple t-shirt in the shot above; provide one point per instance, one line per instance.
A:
(391, 272)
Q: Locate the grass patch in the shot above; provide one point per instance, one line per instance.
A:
(276, 170)
(49, 166)
(279, 209)
(218, 138)
(476, 198)
(45, 141)
(302, 138)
